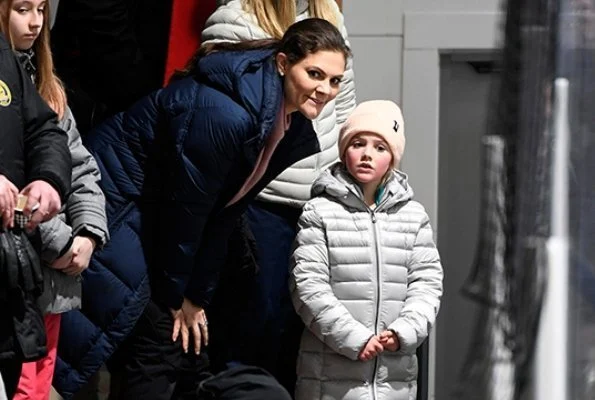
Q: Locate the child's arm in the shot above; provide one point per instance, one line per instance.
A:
(85, 210)
(85, 206)
(424, 289)
(56, 239)
(312, 295)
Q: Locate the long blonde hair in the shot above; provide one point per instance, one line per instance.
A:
(275, 16)
(49, 86)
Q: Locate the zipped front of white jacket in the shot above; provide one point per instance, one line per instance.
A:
(378, 295)
(376, 244)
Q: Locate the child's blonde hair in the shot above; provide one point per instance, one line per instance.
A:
(49, 86)
(275, 16)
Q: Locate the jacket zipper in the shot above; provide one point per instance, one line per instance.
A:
(378, 295)
(377, 252)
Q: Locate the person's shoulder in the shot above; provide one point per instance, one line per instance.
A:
(4, 46)
(233, 7)
(230, 22)
(321, 204)
(414, 209)
(230, 14)
(6, 53)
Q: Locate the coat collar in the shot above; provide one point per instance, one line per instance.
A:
(251, 79)
(337, 183)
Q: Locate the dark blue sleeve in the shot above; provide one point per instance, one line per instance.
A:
(204, 155)
(211, 259)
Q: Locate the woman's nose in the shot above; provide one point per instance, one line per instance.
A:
(324, 88)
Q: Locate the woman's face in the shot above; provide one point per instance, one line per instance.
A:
(25, 20)
(311, 82)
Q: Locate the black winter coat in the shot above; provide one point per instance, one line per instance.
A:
(32, 147)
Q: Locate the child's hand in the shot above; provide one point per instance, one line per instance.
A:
(82, 248)
(64, 261)
(389, 340)
(371, 349)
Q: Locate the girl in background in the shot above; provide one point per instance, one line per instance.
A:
(271, 332)
(69, 239)
(366, 277)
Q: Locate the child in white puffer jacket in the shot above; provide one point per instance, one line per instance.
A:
(366, 276)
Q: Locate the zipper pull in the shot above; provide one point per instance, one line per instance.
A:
(373, 217)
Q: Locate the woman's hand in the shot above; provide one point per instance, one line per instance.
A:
(196, 321)
(371, 349)
(389, 340)
(180, 328)
(190, 319)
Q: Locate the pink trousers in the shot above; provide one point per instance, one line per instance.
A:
(36, 377)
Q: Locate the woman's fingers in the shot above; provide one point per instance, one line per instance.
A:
(176, 331)
(185, 335)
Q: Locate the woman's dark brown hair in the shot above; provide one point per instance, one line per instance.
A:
(305, 37)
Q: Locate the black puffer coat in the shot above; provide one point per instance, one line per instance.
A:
(32, 147)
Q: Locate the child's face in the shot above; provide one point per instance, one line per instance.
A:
(368, 158)
(25, 22)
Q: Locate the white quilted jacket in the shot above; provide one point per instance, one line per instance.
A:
(355, 273)
(292, 187)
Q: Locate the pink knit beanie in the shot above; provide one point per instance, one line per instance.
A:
(381, 117)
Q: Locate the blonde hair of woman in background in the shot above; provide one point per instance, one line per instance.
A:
(275, 16)
(270, 329)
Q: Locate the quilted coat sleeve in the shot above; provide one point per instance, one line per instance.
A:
(86, 204)
(55, 236)
(46, 149)
(345, 101)
(85, 207)
(206, 153)
(312, 295)
(424, 290)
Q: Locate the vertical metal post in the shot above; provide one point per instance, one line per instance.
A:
(551, 362)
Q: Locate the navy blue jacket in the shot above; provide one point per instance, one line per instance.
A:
(169, 166)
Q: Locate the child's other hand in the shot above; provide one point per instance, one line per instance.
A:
(389, 340)
(371, 349)
(64, 261)
(83, 248)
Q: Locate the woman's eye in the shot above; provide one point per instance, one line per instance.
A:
(314, 74)
(335, 81)
(22, 10)
(381, 148)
